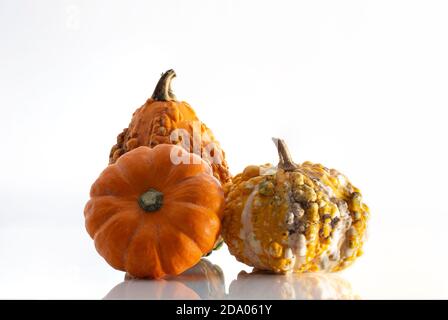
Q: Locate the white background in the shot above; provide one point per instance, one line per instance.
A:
(360, 86)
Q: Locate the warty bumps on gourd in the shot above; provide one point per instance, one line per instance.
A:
(161, 115)
(294, 218)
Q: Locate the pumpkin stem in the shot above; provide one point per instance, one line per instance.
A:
(163, 91)
(151, 200)
(285, 162)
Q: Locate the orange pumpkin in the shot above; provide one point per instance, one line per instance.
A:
(163, 119)
(151, 217)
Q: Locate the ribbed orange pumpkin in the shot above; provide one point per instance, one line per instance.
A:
(151, 217)
(163, 119)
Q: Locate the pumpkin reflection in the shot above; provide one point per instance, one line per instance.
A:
(305, 286)
(203, 281)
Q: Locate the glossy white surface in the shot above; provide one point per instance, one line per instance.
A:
(360, 86)
(51, 262)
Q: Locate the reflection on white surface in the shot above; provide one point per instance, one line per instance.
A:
(63, 264)
(260, 285)
(204, 281)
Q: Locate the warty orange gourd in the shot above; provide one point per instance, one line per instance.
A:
(164, 119)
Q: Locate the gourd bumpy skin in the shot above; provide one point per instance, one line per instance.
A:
(154, 122)
(302, 218)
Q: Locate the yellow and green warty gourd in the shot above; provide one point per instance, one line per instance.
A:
(294, 218)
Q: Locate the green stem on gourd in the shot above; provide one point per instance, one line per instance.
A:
(163, 91)
(151, 200)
